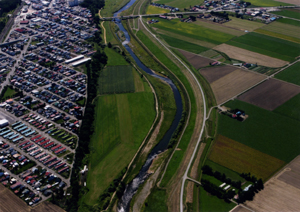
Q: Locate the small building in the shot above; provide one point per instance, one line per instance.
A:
(3, 123)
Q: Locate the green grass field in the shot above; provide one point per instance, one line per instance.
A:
(122, 122)
(156, 201)
(290, 108)
(181, 44)
(263, 130)
(243, 159)
(242, 24)
(289, 21)
(291, 74)
(209, 203)
(263, 44)
(180, 4)
(278, 35)
(219, 27)
(268, 3)
(114, 58)
(9, 93)
(156, 10)
(193, 31)
(288, 13)
(116, 79)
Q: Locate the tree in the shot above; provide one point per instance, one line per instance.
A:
(260, 184)
(207, 170)
(109, 45)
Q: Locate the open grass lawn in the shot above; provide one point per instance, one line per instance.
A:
(278, 35)
(243, 159)
(290, 108)
(209, 203)
(289, 21)
(263, 130)
(263, 44)
(222, 169)
(9, 93)
(288, 13)
(193, 31)
(181, 44)
(267, 3)
(122, 122)
(112, 6)
(291, 74)
(156, 10)
(243, 24)
(116, 79)
(179, 3)
(114, 58)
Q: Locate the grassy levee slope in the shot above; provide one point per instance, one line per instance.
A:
(291, 74)
(114, 58)
(243, 159)
(181, 44)
(193, 31)
(288, 13)
(290, 108)
(263, 44)
(265, 131)
(122, 122)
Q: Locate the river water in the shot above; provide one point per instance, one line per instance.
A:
(133, 186)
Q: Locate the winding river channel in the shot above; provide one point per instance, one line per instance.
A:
(133, 186)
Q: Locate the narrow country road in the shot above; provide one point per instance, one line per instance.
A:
(104, 30)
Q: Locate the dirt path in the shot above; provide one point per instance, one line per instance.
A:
(104, 30)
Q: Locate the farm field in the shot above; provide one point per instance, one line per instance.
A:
(218, 27)
(207, 202)
(114, 58)
(263, 44)
(180, 4)
(291, 74)
(290, 108)
(292, 13)
(268, 3)
(185, 38)
(243, 159)
(122, 122)
(214, 73)
(116, 79)
(193, 31)
(242, 24)
(270, 94)
(249, 56)
(281, 30)
(210, 53)
(156, 10)
(281, 192)
(233, 84)
(196, 60)
(265, 131)
(181, 44)
(289, 21)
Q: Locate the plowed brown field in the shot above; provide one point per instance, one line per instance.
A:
(249, 56)
(214, 73)
(270, 94)
(234, 83)
(196, 60)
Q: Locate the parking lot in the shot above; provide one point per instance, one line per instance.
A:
(44, 97)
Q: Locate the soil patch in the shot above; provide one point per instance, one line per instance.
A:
(196, 60)
(249, 56)
(10, 202)
(233, 84)
(270, 94)
(291, 174)
(214, 73)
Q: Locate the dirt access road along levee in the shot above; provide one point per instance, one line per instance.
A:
(104, 30)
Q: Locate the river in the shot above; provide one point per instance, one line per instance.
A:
(133, 186)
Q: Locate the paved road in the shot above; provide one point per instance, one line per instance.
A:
(204, 114)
